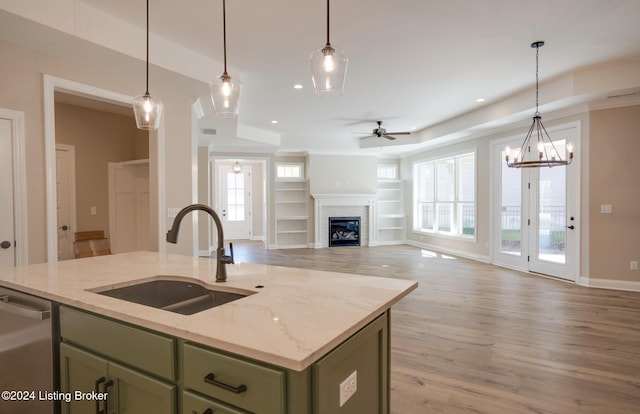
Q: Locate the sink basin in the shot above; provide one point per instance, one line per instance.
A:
(184, 297)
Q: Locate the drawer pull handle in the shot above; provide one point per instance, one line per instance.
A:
(211, 379)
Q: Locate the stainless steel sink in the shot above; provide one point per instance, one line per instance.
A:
(184, 297)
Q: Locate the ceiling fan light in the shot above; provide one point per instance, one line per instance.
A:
(147, 111)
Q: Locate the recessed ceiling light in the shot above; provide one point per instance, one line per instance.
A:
(297, 86)
(274, 121)
(414, 128)
(480, 100)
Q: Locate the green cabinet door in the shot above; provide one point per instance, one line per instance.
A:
(129, 392)
(79, 371)
(137, 393)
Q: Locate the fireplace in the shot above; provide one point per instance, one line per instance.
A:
(344, 231)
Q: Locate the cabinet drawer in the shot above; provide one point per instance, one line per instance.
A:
(195, 404)
(243, 384)
(145, 350)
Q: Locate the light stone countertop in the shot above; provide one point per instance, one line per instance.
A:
(296, 318)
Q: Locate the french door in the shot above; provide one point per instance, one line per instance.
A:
(535, 215)
(235, 202)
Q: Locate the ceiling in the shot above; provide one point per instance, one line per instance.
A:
(413, 64)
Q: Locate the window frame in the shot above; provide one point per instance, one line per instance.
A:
(432, 204)
(299, 165)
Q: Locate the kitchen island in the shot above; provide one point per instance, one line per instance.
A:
(303, 333)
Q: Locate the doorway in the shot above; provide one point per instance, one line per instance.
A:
(13, 203)
(240, 199)
(234, 195)
(66, 196)
(53, 85)
(535, 214)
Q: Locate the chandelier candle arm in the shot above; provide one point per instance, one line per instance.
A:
(147, 109)
(548, 154)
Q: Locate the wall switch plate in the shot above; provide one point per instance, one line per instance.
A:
(172, 212)
(633, 265)
(348, 387)
(93, 211)
(606, 209)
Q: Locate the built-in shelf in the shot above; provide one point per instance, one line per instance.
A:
(292, 213)
(390, 214)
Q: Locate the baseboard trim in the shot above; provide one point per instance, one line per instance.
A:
(609, 284)
(453, 252)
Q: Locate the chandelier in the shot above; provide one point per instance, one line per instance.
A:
(547, 154)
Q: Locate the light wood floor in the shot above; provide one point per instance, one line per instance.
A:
(476, 338)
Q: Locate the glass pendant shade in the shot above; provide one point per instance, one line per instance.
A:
(225, 95)
(328, 70)
(147, 111)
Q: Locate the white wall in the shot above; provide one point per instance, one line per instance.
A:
(342, 174)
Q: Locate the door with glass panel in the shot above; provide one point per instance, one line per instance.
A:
(235, 206)
(535, 215)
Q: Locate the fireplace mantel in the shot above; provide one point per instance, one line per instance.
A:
(368, 201)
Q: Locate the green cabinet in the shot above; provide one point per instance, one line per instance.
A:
(359, 370)
(149, 372)
(128, 390)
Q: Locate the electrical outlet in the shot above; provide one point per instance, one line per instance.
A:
(633, 265)
(606, 209)
(172, 212)
(348, 387)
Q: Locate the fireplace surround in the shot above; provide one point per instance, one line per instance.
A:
(344, 205)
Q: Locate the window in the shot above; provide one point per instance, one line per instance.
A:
(444, 196)
(387, 172)
(290, 171)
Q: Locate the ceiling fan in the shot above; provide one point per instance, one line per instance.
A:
(381, 132)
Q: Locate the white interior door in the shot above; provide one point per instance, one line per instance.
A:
(129, 222)
(235, 202)
(7, 231)
(66, 199)
(535, 219)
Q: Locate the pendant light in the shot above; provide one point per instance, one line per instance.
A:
(547, 154)
(225, 94)
(147, 109)
(328, 67)
(237, 167)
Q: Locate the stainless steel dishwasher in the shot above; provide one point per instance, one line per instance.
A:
(26, 354)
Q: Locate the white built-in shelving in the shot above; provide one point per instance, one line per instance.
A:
(292, 213)
(390, 215)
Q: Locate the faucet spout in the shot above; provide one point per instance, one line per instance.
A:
(221, 258)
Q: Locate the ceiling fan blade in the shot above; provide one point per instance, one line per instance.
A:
(389, 137)
(400, 133)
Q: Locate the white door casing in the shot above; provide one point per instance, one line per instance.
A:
(66, 200)
(51, 84)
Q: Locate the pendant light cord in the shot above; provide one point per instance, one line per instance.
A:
(224, 33)
(147, 91)
(328, 43)
(537, 79)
